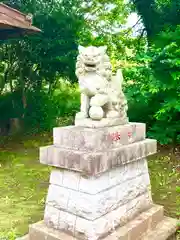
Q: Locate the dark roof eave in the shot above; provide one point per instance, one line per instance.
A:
(14, 33)
(14, 23)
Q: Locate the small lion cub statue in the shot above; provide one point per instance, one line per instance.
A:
(101, 92)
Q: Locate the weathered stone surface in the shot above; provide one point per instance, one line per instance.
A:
(165, 228)
(104, 122)
(173, 237)
(99, 100)
(26, 237)
(99, 87)
(93, 163)
(96, 113)
(40, 231)
(51, 216)
(87, 139)
(94, 206)
(94, 185)
(99, 226)
(142, 223)
(156, 218)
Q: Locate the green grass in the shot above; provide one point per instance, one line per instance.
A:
(165, 178)
(23, 186)
(24, 183)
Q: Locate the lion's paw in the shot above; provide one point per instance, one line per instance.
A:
(81, 115)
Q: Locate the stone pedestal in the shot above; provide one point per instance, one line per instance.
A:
(100, 187)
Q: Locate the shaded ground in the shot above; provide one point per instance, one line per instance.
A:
(24, 182)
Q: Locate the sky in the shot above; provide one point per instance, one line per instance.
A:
(132, 20)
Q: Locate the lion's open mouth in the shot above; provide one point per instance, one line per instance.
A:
(90, 65)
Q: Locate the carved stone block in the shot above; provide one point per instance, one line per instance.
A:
(100, 139)
(94, 163)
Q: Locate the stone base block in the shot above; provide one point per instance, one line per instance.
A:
(95, 229)
(105, 122)
(166, 229)
(94, 185)
(94, 163)
(89, 139)
(92, 198)
(96, 205)
(149, 225)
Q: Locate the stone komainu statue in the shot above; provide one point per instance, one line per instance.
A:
(101, 92)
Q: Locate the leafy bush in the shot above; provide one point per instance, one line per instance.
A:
(43, 111)
(67, 99)
(9, 236)
(154, 96)
(40, 113)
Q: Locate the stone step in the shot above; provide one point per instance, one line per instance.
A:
(146, 224)
(136, 228)
(164, 230)
(26, 237)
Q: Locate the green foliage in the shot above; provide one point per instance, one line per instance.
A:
(156, 77)
(40, 115)
(157, 15)
(47, 55)
(166, 66)
(6, 103)
(31, 68)
(9, 236)
(155, 93)
(43, 110)
(64, 102)
(32, 89)
(32, 62)
(67, 98)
